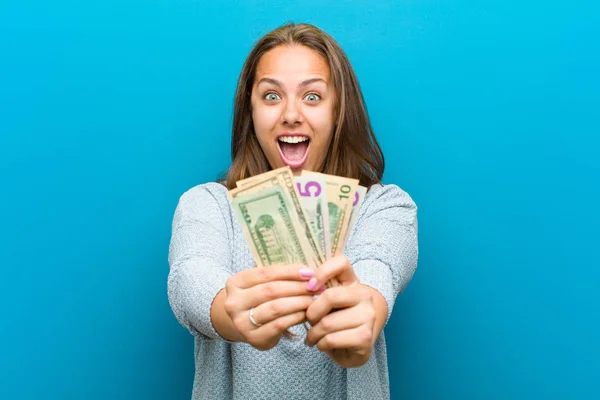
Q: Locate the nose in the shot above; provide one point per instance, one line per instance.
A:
(291, 113)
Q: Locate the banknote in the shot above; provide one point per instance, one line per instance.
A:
(274, 221)
(340, 196)
(359, 197)
(270, 227)
(313, 196)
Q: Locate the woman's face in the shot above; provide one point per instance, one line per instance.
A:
(293, 107)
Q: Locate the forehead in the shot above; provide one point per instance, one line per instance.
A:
(292, 62)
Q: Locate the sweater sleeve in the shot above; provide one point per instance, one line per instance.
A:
(199, 258)
(383, 246)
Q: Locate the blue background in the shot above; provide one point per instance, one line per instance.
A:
(488, 114)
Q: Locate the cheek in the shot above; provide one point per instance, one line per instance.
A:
(321, 116)
(264, 120)
(322, 123)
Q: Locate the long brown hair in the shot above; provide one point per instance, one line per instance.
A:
(353, 152)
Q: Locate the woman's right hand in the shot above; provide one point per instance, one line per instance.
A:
(278, 296)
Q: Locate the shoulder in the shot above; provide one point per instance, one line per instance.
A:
(383, 197)
(206, 201)
(211, 192)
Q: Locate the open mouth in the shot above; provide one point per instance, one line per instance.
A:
(293, 150)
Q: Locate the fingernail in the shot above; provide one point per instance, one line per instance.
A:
(306, 272)
(322, 288)
(312, 283)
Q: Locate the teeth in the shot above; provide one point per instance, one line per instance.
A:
(293, 139)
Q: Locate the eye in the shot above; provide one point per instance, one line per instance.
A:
(312, 97)
(272, 96)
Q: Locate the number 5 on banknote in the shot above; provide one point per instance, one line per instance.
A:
(313, 198)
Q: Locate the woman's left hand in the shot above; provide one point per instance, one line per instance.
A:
(343, 317)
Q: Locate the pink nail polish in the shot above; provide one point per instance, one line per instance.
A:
(306, 272)
(322, 288)
(312, 283)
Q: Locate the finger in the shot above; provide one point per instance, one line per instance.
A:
(337, 297)
(337, 268)
(265, 292)
(275, 328)
(358, 339)
(256, 276)
(345, 319)
(271, 310)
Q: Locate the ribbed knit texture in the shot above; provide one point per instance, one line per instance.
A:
(208, 246)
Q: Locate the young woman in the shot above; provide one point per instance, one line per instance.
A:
(298, 103)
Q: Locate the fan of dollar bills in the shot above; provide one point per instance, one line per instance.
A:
(296, 220)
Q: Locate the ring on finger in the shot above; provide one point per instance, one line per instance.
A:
(252, 320)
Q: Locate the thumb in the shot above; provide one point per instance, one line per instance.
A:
(336, 270)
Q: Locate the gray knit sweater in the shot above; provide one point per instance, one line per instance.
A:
(208, 246)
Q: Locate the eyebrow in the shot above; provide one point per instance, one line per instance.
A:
(300, 85)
